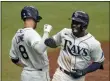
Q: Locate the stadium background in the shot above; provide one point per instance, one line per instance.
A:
(56, 14)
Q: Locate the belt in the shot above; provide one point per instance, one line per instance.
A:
(39, 69)
(66, 72)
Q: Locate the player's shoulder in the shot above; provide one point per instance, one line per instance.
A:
(26, 30)
(66, 30)
(93, 41)
(30, 30)
(29, 33)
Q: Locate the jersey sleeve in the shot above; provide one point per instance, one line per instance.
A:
(57, 37)
(34, 38)
(37, 43)
(12, 53)
(97, 54)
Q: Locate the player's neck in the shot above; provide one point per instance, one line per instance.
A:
(29, 25)
(81, 34)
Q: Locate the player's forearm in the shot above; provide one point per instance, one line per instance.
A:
(17, 62)
(41, 47)
(20, 64)
(93, 67)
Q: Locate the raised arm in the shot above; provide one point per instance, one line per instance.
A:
(39, 45)
(54, 41)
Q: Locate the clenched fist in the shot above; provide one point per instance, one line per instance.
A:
(47, 28)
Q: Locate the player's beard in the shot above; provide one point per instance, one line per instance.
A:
(77, 32)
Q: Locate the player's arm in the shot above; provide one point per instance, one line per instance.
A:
(14, 57)
(97, 56)
(77, 73)
(39, 45)
(54, 41)
(93, 67)
(17, 62)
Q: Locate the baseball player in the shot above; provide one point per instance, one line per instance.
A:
(28, 49)
(80, 52)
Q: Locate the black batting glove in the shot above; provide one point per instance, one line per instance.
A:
(76, 73)
(50, 42)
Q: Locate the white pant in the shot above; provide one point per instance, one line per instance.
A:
(61, 76)
(27, 75)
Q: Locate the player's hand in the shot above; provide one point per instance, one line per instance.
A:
(50, 42)
(47, 28)
(77, 73)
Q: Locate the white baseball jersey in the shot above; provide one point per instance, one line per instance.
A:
(23, 47)
(77, 53)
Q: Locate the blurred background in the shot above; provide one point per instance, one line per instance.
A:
(54, 13)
